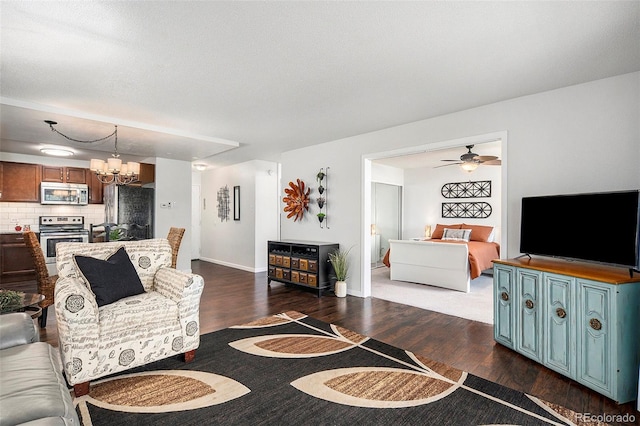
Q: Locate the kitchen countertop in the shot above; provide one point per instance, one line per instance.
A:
(13, 231)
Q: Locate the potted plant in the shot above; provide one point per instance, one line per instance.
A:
(10, 299)
(319, 177)
(321, 216)
(115, 234)
(340, 261)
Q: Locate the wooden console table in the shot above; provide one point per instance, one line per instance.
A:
(577, 318)
(302, 263)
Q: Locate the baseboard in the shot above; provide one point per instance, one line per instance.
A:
(234, 265)
(488, 272)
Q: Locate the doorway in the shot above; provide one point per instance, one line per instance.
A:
(417, 227)
(386, 219)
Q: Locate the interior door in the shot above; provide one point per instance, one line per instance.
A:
(386, 220)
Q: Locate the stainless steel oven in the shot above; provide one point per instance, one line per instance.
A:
(58, 229)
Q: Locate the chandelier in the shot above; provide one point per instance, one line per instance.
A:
(112, 170)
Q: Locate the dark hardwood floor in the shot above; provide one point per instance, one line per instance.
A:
(232, 296)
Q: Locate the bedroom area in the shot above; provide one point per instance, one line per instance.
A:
(436, 224)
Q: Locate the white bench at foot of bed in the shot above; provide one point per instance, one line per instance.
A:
(438, 264)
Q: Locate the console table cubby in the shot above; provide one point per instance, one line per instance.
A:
(576, 318)
(302, 263)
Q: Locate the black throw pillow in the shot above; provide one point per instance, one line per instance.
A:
(111, 279)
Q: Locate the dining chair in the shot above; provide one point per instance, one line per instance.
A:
(175, 238)
(45, 282)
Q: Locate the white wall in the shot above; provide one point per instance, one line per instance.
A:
(196, 213)
(173, 185)
(576, 139)
(423, 197)
(240, 244)
(264, 209)
(382, 173)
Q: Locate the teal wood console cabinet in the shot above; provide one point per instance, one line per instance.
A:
(579, 319)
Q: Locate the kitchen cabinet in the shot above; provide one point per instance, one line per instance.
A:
(147, 174)
(20, 182)
(16, 263)
(96, 188)
(576, 318)
(64, 174)
(302, 263)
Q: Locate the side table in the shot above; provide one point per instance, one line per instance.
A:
(29, 304)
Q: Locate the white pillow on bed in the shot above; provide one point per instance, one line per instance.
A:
(456, 234)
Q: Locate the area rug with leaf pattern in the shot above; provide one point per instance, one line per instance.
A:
(291, 369)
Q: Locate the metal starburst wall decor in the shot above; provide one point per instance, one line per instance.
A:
(297, 200)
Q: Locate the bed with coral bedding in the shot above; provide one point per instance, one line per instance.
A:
(441, 262)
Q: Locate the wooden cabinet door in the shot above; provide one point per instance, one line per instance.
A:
(63, 174)
(52, 174)
(20, 182)
(503, 304)
(559, 324)
(147, 173)
(96, 188)
(529, 313)
(595, 342)
(75, 175)
(16, 263)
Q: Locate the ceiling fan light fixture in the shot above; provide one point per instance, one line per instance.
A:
(469, 166)
(57, 152)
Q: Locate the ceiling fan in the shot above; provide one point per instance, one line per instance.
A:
(469, 161)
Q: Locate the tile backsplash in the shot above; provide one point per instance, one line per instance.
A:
(12, 214)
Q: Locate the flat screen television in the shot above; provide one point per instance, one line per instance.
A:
(598, 227)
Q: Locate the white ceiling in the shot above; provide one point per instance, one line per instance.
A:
(226, 82)
(447, 157)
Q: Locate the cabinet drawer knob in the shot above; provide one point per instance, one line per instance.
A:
(595, 324)
(528, 303)
(504, 296)
(561, 313)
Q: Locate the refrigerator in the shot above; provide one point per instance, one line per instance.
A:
(132, 205)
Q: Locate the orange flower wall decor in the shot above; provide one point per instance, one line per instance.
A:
(297, 200)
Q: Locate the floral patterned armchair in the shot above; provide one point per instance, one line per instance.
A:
(161, 321)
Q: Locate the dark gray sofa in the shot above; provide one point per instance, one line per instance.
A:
(32, 389)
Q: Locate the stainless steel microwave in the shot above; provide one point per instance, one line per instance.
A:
(64, 193)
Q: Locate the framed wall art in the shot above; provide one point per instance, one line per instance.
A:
(471, 189)
(466, 210)
(223, 203)
(236, 203)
